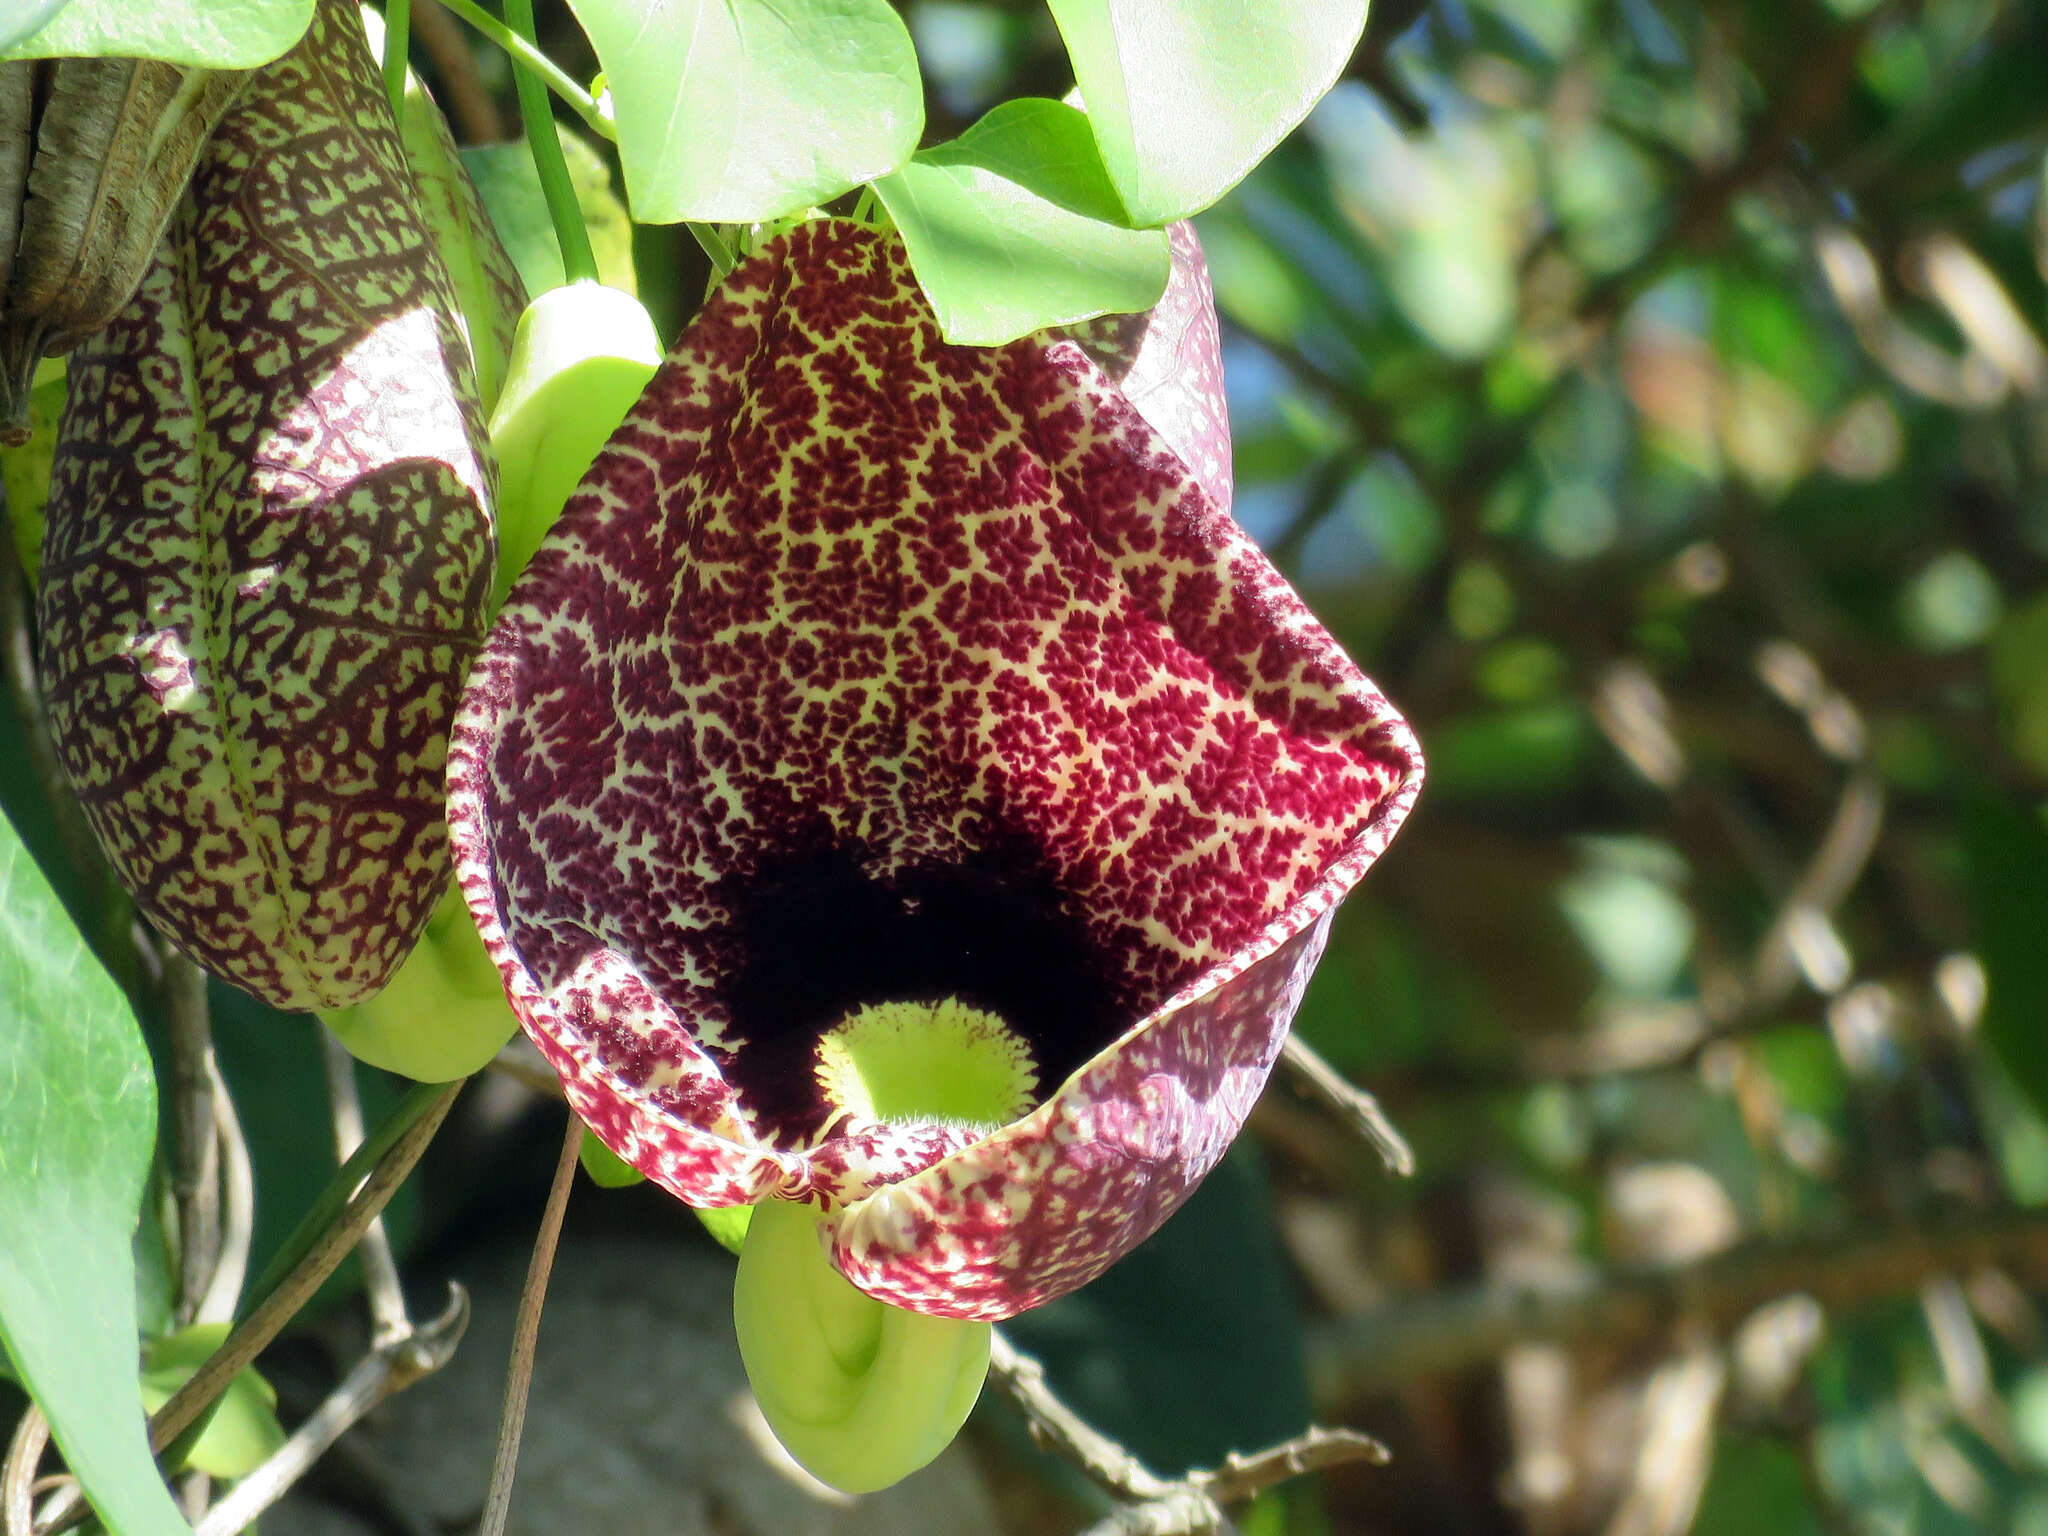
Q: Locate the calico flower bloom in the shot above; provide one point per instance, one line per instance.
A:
(898, 786)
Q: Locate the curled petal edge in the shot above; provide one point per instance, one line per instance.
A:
(1039, 1206)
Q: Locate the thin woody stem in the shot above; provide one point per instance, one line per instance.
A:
(1057, 1428)
(387, 1369)
(296, 1288)
(1162, 1507)
(1243, 1475)
(526, 1335)
(238, 1208)
(18, 1478)
(1349, 1103)
(389, 1322)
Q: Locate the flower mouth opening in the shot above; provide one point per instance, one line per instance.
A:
(957, 991)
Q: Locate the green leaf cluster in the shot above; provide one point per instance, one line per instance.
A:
(747, 112)
(211, 34)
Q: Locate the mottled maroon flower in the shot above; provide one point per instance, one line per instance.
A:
(868, 670)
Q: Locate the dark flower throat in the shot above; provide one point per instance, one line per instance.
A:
(815, 936)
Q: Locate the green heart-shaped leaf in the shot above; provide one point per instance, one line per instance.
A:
(214, 34)
(1015, 226)
(32, 15)
(77, 1123)
(1186, 96)
(735, 111)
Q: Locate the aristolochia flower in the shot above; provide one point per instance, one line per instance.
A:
(898, 788)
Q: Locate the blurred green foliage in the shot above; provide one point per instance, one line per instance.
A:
(1652, 395)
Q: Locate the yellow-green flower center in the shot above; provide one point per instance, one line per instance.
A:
(926, 1061)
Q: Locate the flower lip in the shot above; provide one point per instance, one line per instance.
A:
(843, 612)
(912, 1061)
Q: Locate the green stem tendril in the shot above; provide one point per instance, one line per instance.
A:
(579, 264)
(330, 1230)
(397, 44)
(332, 1200)
(713, 245)
(523, 52)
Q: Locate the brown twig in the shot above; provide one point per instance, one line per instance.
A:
(389, 1323)
(18, 1478)
(1159, 1506)
(237, 1208)
(321, 1254)
(526, 1335)
(1183, 1512)
(470, 105)
(388, 1369)
(1241, 1476)
(195, 1132)
(1057, 1428)
(1356, 1108)
(400, 1354)
(1458, 1330)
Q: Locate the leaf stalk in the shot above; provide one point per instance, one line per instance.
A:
(397, 46)
(523, 52)
(579, 262)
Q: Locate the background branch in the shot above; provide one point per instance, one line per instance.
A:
(1161, 1506)
(1458, 1330)
(238, 1207)
(17, 1479)
(389, 1322)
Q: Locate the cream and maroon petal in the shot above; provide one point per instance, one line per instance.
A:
(864, 669)
(1169, 364)
(1048, 1203)
(685, 1139)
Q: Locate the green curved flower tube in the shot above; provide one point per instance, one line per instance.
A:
(443, 1013)
(581, 356)
(861, 1393)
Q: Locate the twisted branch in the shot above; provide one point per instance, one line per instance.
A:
(1158, 1506)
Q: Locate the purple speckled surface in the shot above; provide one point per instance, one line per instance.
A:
(911, 638)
